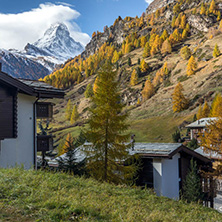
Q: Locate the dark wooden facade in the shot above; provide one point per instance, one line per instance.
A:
(8, 112)
(44, 110)
(145, 174)
(44, 143)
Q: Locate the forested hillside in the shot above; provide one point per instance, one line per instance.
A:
(172, 42)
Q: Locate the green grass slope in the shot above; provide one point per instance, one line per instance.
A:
(41, 196)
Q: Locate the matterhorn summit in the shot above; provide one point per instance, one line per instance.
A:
(42, 57)
(56, 43)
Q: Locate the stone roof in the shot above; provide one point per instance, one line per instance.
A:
(201, 123)
(154, 148)
(39, 85)
(209, 154)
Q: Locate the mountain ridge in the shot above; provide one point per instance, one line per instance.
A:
(39, 59)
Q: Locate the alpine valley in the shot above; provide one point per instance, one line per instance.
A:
(150, 46)
(40, 58)
(130, 42)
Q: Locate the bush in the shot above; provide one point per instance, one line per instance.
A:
(176, 136)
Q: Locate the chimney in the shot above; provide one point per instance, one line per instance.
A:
(132, 141)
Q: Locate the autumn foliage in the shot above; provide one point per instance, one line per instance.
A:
(180, 102)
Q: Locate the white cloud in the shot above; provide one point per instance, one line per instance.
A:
(19, 29)
(148, 1)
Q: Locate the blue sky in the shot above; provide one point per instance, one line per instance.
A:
(28, 19)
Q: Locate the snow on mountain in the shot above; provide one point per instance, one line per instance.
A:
(56, 43)
(20, 66)
(41, 58)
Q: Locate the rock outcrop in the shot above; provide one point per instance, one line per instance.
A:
(200, 23)
(156, 4)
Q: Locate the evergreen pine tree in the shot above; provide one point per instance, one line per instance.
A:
(192, 190)
(75, 115)
(68, 110)
(107, 132)
(180, 103)
(68, 163)
(216, 51)
(129, 61)
(191, 66)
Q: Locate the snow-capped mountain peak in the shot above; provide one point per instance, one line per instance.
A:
(56, 43)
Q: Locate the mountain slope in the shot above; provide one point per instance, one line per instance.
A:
(20, 66)
(127, 38)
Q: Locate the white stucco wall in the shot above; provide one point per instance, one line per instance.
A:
(170, 177)
(166, 177)
(20, 151)
(157, 176)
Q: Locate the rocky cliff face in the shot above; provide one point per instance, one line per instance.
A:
(113, 34)
(156, 4)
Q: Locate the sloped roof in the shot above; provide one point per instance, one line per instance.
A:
(201, 123)
(209, 154)
(31, 87)
(161, 149)
(149, 150)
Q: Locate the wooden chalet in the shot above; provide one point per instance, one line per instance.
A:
(20, 106)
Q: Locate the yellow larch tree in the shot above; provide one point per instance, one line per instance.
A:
(185, 52)
(144, 66)
(115, 57)
(220, 26)
(143, 41)
(146, 51)
(199, 112)
(212, 6)
(164, 35)
(75, 115)
(203, 9)
(206, 110)
(166, 47)
(95, 84)
(68, 110)
(183, 22)
(148, 90)
(180, 102)
(191, 66)
(216, 51)
(134, 78)
(69, 140)
(216, 107)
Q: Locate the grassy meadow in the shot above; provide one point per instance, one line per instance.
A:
(42, 196)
